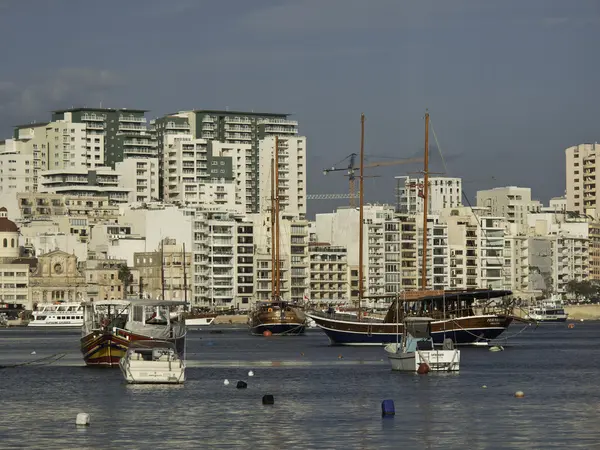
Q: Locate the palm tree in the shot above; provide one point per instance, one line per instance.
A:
(125, 277)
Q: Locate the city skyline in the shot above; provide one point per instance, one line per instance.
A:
(509, 86)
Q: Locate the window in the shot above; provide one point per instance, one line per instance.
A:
(12, 243)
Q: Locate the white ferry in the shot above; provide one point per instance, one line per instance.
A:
(57, 315)
(548, 311)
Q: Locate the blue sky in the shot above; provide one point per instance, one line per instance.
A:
(509, 84)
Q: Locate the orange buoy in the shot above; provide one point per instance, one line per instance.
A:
(267, 333)
(571, 325)
(519, 394)
(423, 369)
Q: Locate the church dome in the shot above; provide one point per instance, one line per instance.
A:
(7, 226)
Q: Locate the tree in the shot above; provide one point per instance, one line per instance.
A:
(580, 289)
(125, 277)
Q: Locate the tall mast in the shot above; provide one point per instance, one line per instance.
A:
(361, 214)
(184, 277)
(272, 230)
(277, 263)
(162, 268)
(425, 204)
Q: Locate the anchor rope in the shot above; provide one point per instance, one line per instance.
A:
(46, 360)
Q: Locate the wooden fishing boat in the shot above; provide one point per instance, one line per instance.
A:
(110, 327)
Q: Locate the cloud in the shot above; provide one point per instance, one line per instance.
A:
(32, 100)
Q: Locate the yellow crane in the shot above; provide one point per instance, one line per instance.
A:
(351, 170)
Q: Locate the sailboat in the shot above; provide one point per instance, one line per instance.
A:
(453, 312)
(276, 316)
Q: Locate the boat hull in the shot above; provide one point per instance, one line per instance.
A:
(199, 322)
(289, 329)
(106, 348)
(471, 330)
(437, 360)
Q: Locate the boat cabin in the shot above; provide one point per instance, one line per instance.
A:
(417, 334)
(152, 351)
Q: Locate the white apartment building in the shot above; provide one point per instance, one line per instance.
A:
(16, 173)
(223, 261)
(328, 273)
(476, 240)
(559, 251)
(437, 253)
(84, 182)
(243, 178)
(516, 261)
(292, 174)
(140, 177)
(582, 164)
(444, 192)
(513, 203)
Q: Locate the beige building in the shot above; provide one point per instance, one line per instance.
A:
(582, 162)
(47, 205)
(328, 272)
(513, 203)
(594, 251)
(102, 279)
(57, 278)
(177, 279)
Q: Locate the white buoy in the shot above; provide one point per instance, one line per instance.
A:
(226, 382)
(581, 320)
(250, 374)
(82, 419)
(33, 352)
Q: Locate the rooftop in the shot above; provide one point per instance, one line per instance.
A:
(32, 125)
(239, 113)
(100, 110)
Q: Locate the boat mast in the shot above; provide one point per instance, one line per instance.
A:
(361, 215)
(277, 263)
(272, 230)
(162, 268)
(184, 277)
(425, 204)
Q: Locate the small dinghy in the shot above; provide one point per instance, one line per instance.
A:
(152, 361)
(416, 353)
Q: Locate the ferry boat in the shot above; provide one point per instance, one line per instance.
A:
(548, 311)
(57, 315)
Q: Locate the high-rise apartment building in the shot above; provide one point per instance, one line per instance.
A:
(119, 133)
(230, 127)
(140, 177)
(582, 165)
(444, 192)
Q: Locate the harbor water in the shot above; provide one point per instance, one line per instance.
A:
(325, 397)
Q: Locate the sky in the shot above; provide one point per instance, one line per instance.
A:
(508, 84)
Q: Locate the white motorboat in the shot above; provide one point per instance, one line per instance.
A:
(57, 315)
(416, 352)
(152, 362)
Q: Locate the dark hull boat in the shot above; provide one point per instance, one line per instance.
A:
(278, 318)
(454, 318)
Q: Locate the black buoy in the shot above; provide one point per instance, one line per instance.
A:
(241, 385)
(387, 408)
(268, 399)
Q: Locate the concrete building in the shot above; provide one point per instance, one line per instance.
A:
(516, 262)
(139, 176)
(476, 239)
(119, 133)
(115, 241)
(16, 173)
(444, 192)
(102, 279)
(581, 164)
(328, 273)
(594, 251)
(84, 182)
(49, 206)
(513, 203)
(437, 253)
(168, 259)
(223, 252)
(292, 174)
(230, 127)
(559, 251)
(14, 284)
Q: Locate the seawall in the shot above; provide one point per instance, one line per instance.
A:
(233, 319)
(586, 312)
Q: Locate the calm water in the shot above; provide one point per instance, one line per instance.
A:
(322, 400)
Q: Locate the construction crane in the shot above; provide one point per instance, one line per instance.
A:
(351, 169)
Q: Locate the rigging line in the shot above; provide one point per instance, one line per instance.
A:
(438, 147)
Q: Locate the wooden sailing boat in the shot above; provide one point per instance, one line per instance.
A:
(452, 311)
(277, 316)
